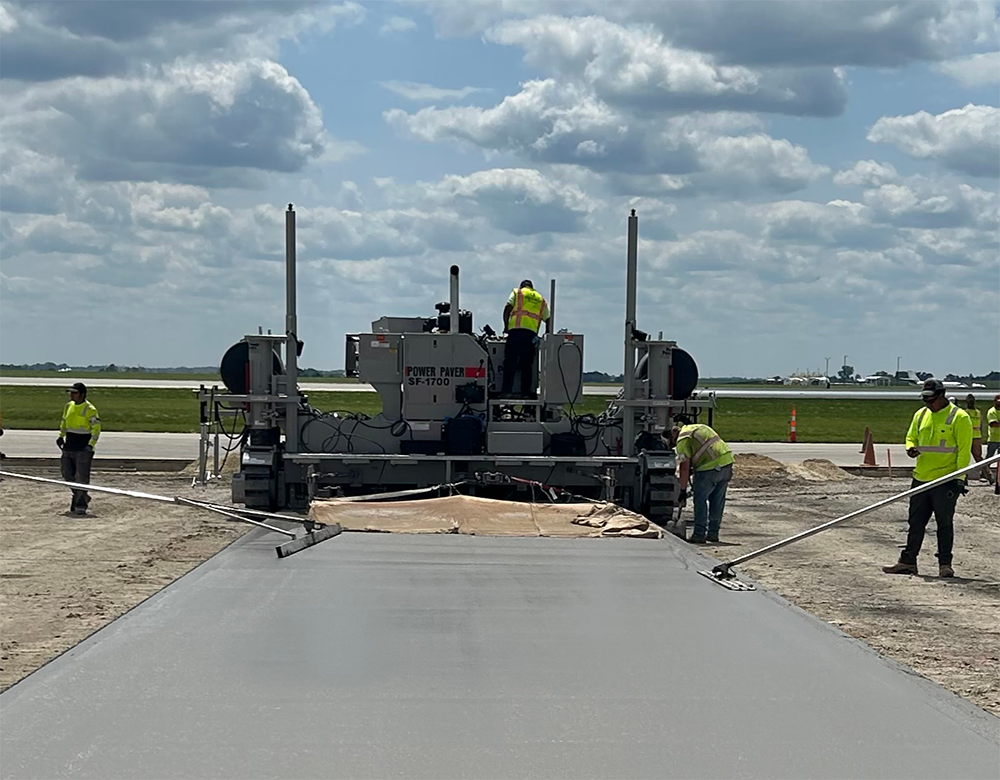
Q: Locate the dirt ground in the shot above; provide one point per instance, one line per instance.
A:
(62, 578)
(947, 630)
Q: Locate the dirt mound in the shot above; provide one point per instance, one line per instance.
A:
(752, 470)
(819, 470)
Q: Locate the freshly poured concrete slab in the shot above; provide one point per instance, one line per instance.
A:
(445, 656)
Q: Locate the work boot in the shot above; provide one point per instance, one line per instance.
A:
(713, 538)
(945, 570)
(697, 540)
(900, 568)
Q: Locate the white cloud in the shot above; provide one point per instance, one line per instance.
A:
(520, 201)
(866, 173)
(928, 203)
(427, 93)
(555, 123)
(190, 122)
(964, 139)
(636, 67)
(397, 24)
(834, 224)
(53, 40)
(888, 33)
(975, 70)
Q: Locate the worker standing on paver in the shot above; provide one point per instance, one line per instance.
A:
(702, 451)
(78, 433)
(523, 316)
(993, 428)
(976, 417)
(940, 438)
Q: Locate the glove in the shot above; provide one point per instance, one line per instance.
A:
(60, 442)
(90, 448)
(536, 341)
(682, 497)
(960, 487)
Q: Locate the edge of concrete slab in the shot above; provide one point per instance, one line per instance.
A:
(950, 703)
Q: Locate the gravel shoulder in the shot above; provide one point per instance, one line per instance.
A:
(946, 630)
(62, 578)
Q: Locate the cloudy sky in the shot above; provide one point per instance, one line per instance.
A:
(813, 179)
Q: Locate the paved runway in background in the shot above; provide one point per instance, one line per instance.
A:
(789, 393)
(376, 655)
(185, 445)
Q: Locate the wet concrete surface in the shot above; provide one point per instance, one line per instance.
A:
(443, 656)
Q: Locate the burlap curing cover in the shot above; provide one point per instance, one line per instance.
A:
(483, 517)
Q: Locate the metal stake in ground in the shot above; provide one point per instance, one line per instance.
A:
(723, 572)
(314, 532)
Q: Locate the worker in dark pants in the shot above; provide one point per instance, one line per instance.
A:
(78, 433)
(706, 460)
(940, 438)
(523, 316)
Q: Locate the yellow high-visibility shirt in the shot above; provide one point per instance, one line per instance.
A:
(81, 419)
(992, 431)
(944, 439)
(703, 447)
(976, 417)
(529, 309)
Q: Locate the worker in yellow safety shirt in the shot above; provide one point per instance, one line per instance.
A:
(78, 433)
(704, 457)
(940, 438)
(993, 428)
(523, 316)
(976, 417)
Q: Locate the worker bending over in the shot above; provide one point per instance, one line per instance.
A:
(523, 315)
(701, 450)
(940, 438)
(78, 434)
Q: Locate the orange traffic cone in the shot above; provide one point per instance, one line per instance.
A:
(869, 452)
(865, 439)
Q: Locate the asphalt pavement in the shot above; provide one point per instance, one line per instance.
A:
(377, 655)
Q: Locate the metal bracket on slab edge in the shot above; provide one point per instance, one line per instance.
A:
(723, 575)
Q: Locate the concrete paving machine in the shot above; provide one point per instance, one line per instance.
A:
(443, 420)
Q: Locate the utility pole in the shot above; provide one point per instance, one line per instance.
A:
(827, 367)
(897, 366)
(845, 363)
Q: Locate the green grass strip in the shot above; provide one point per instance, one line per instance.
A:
(736, 419)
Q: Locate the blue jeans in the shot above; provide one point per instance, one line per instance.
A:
(710, 499)
(992, 448)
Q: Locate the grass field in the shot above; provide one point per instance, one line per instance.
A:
(208, 379)
(736, 419)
